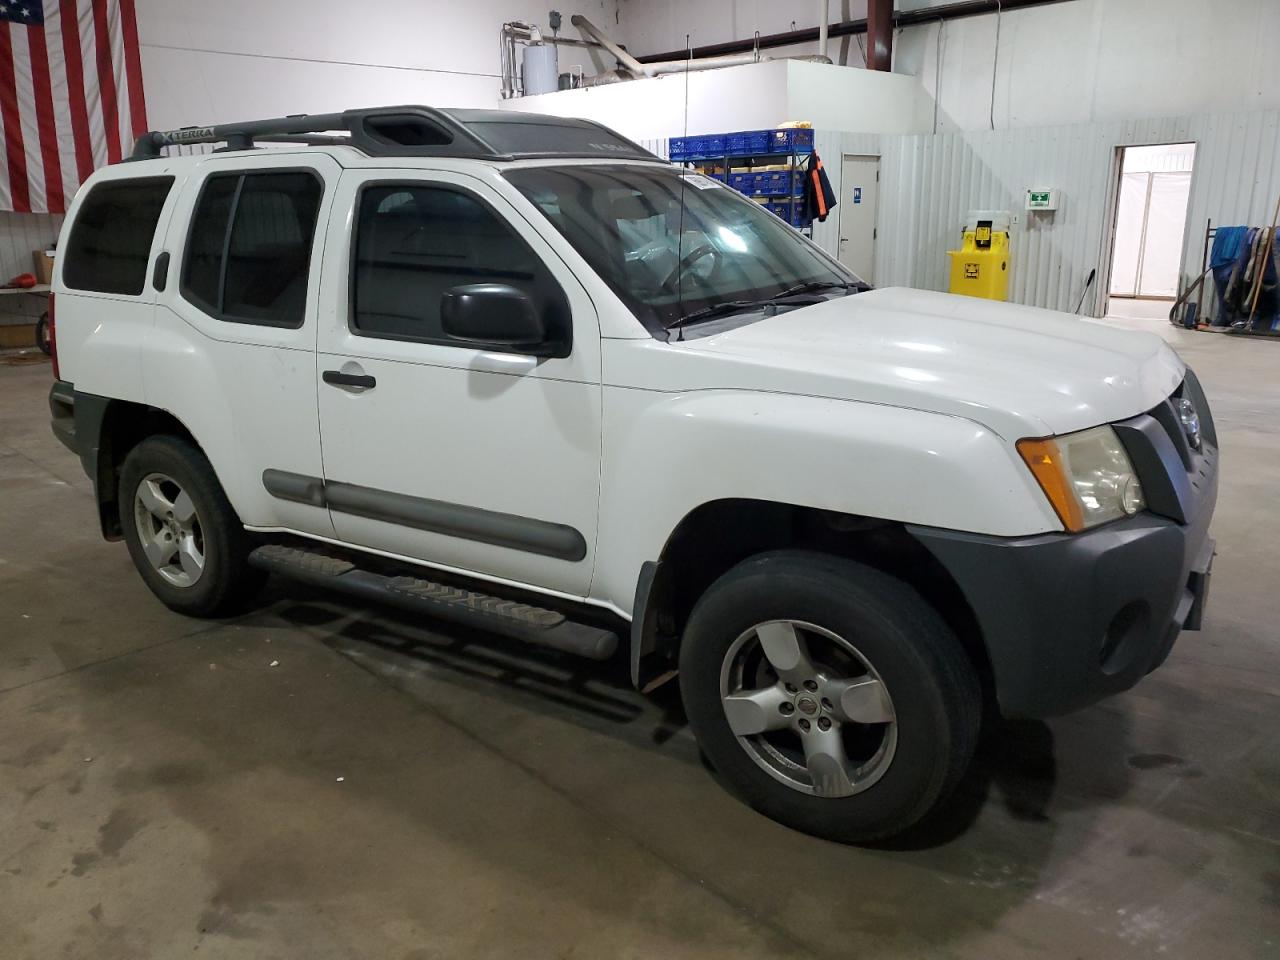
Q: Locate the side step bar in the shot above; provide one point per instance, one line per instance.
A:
(546, 628)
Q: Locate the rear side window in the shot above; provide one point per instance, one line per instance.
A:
(110, 241)
(414, 243)
(249, 253)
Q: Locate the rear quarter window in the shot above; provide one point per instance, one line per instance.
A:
(110, 241)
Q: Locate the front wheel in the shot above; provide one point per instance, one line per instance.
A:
(829, 695)
(183, 534)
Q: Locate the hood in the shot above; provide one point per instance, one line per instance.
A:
(1019, 371)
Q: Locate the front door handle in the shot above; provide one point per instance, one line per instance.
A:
(340, 379)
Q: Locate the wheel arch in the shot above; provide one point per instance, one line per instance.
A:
(717, 535)
(116, 427)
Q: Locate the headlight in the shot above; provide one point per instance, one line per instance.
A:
(1087, 476)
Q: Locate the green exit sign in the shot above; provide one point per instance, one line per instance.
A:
(1042, 199)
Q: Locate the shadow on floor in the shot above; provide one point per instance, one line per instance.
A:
(1015, 763)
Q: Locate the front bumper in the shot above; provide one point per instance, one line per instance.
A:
(1068, 619)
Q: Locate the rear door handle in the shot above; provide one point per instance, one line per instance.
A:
(340, 379)
(160, 277)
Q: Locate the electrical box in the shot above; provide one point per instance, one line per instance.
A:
(980, 268)
(1042, 198)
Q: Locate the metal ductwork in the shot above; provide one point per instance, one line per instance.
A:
(629, 65)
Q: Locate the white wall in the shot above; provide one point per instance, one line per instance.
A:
(237, 59)
(660, 26)
(749, 97)
(1098, 60)
(1073, 62)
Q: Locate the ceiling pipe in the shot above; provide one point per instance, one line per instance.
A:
(848, 28)
(706, 63)
(624, 59)
(880, 35)
(824, 17)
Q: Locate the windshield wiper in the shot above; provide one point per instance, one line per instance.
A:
(716, 310)
(812, 286)
(732, 306)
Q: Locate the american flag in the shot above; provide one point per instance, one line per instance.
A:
(70, 96)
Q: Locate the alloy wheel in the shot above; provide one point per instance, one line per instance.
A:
(169, 529)
(808, 708)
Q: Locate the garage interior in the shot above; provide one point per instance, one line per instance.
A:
(319, 777)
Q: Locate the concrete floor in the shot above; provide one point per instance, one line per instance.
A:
(397, 790)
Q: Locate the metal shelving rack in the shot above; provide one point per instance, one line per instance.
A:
(717, 155)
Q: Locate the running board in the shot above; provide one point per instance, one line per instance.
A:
(537, 625)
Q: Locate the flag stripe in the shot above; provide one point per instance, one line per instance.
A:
(53, 199)
(115, 33)
(26, 94)
(71, 52)
(92, 91)
(15, 151)
(133, 68)
(59, 87)
(106, 80)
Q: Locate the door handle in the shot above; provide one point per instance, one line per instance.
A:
(339, 379)
(160, 276)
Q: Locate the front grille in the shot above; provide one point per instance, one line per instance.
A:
(1175, 475)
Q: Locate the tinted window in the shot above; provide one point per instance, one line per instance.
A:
(111, 241)
(414, 243)
(250, 249)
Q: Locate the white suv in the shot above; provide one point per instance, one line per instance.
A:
(515, 371)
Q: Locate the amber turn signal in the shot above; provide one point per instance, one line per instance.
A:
(1046, 463)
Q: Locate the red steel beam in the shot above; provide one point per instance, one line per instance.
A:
(879, 34)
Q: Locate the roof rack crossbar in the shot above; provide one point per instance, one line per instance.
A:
(363, 128)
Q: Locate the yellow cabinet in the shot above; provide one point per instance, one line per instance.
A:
(980, 268)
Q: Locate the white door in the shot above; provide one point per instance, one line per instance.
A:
(856, 204)
(485, 460)
(232, 350)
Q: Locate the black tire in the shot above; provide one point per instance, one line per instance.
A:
(934, 688)
(42, 334)
(226, 580)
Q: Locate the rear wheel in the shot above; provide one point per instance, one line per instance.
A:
(43, 340)
(829, 695)
(182, 532)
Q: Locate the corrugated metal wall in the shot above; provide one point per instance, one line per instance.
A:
(928, 183)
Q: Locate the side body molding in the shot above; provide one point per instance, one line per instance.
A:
(437, 516)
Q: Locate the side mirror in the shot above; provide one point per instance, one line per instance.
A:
(492, 313)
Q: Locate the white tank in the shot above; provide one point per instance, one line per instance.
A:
(541, 72)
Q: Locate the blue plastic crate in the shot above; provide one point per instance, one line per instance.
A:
(775, 183)
(742, 182)
(748, 142)
(713, 146)
(792, 140)
(677, 149)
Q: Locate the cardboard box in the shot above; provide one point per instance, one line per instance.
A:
(43, 266)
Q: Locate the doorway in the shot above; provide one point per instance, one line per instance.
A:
(1150, 224)
(856, 203)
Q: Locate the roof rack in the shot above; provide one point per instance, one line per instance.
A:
(416, 131)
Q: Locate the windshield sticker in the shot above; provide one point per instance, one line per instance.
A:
(701, 181)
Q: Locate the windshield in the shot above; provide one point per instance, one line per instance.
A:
(669, 264)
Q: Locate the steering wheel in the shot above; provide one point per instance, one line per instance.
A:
(689, 259)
